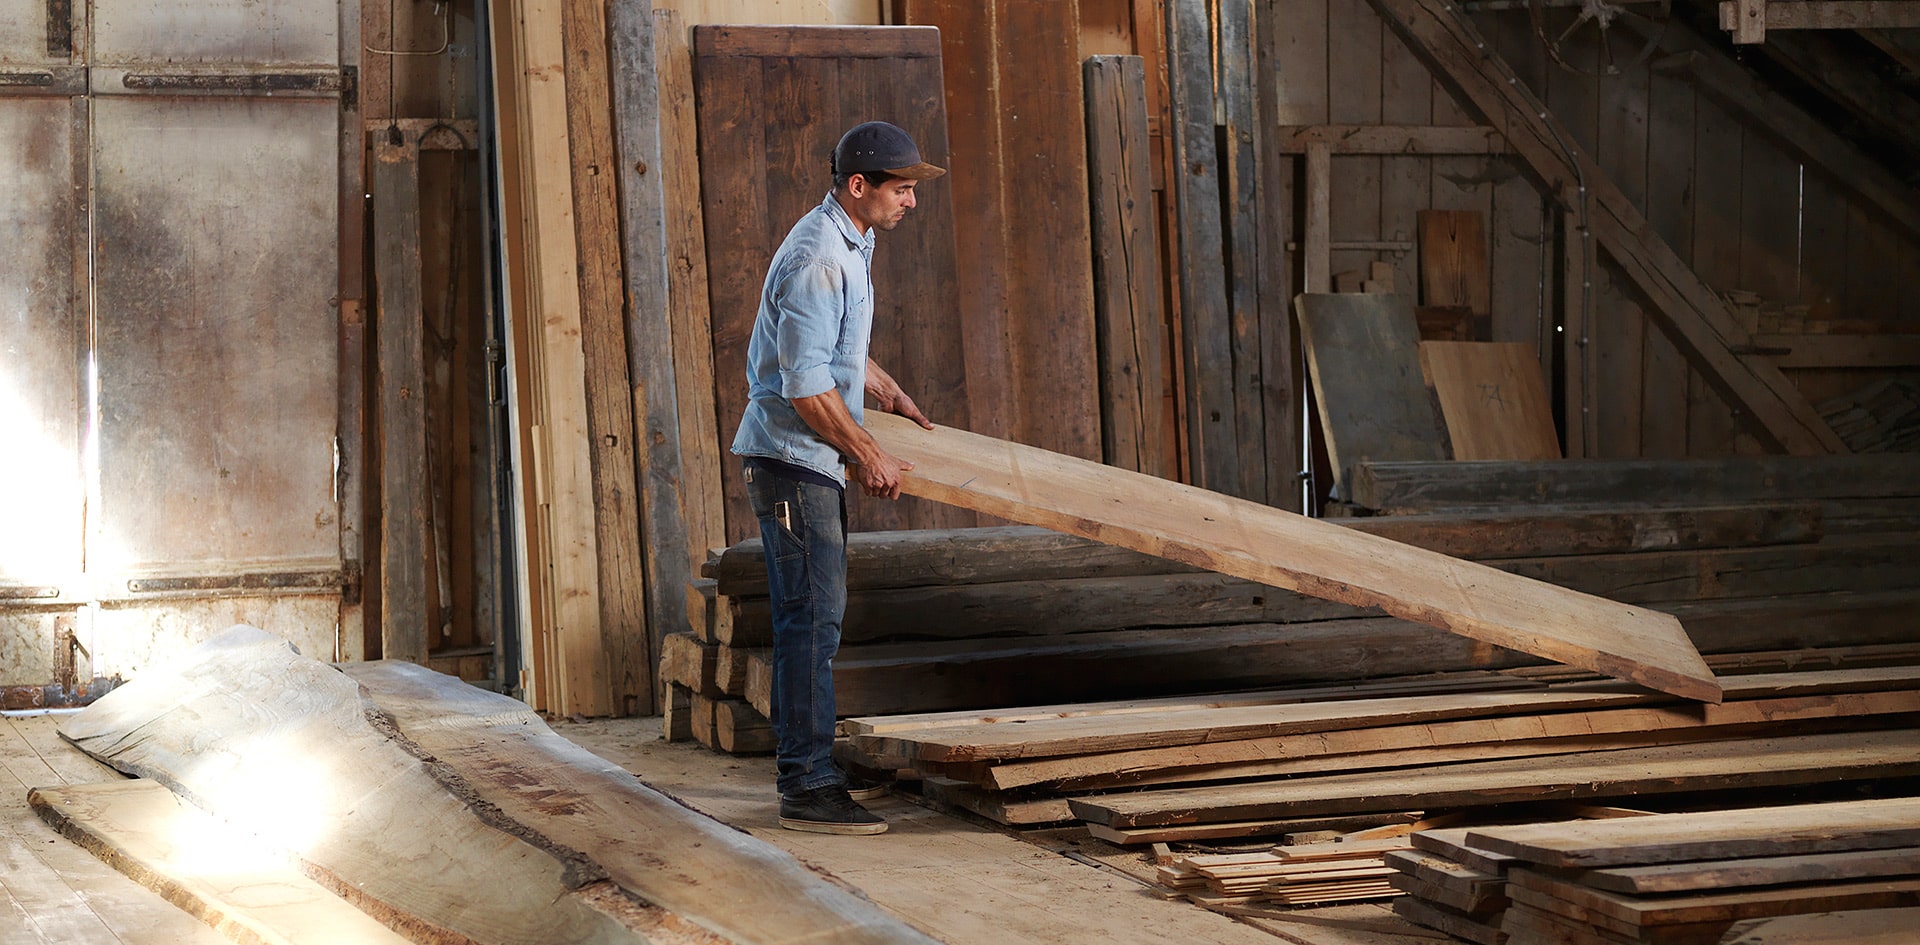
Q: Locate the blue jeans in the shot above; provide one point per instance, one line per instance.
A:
(803, 526)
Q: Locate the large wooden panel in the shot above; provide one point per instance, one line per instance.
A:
(1363, 353)
(215, 337)
(1286, 550)
(305, 32)
(1492, 398)
(771, 104)
(1019, 185)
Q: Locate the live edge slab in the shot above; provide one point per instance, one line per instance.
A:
(1260, 543)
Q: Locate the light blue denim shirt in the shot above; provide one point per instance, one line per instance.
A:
(810, 337)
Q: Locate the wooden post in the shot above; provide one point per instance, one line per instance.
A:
(663, 535)
(1316, 248)
(1576, 299)
(403, 406)
(1126, 266)
(1206, 321)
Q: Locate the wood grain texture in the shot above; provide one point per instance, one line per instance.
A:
(1253, 541)
(1492, 398)
(405, 567)
(1363, 356)
(643, 841)
(1790, 830)
(145, 831)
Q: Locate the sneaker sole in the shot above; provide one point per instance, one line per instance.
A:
(868, 793)
(814, 826)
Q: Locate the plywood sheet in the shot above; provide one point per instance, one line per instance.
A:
(1253, 541)
(1492, 398)
(1363, 354)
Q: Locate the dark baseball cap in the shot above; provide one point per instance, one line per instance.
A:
(878, 146)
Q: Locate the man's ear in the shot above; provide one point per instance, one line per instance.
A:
(857, 186)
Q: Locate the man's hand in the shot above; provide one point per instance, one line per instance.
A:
(880, 474)
(888, 396)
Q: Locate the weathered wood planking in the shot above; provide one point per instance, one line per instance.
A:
(1259, 543)
(145, 831)
(1363, 351)
(1206, 327)
(1281, 382)
(1697, 319)
(1454, 269)
(1879, 824)
(405, 565)
(1735, 872)
(1492, 398)
(1803, 759)
(771, 104)
(1130, 323)
(1624, 913)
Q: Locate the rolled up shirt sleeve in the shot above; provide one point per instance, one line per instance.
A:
(811, 303)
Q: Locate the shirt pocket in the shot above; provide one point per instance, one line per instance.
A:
(857, 321)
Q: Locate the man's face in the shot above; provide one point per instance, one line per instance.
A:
(882, 206)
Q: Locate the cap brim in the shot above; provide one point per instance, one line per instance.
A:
(920, 171)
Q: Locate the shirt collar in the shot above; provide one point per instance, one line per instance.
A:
(838, 214)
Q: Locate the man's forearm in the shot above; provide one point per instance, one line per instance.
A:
(828, 416)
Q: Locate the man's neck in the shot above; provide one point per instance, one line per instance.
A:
(840, 197)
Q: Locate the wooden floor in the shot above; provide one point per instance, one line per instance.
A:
(960, 881)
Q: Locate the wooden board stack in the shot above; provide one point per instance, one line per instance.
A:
(1452, 887)
(1271, 761)
(1686, 879)
(1287, 875)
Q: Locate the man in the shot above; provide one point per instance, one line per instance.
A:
(800, 437)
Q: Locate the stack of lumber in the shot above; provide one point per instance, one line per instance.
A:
(990, 617)
(444, 811)
(1451, 886)
(1686, 879)
(1272, 762)
(1288, 875)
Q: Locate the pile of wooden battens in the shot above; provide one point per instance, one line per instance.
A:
(1851, 868)
(1285, 875)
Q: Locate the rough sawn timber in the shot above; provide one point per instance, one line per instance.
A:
(1253, 541)
(434, 810)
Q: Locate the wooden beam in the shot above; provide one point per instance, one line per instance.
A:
(1447, 485)
(702, 507)
(404, 516)
(649, 330)
(1833, 68)
(1841, 351)
(1689, 311)
(1206, 332)
(1392, 139)
(1259, 543)
(1749, 20)
(1129, 321)
(1706, 835)
(1316, 247)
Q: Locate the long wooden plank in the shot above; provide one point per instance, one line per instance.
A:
(1687, 309)
(404, 518)
(1259, 543)
(1129, 322)
(204, 865)
(1381, 747)
(1709, 766)
(1847, 927)
(644, 841)
(1753, 871)
(1722, 905)
(1878, 824)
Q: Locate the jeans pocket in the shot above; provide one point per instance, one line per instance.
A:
(776, 503)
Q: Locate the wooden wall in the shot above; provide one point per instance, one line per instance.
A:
(1742, 210)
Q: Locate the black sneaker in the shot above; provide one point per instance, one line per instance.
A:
(828, 810)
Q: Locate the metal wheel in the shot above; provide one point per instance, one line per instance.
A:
(1570, 29)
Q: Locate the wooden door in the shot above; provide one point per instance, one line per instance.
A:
(199, 389)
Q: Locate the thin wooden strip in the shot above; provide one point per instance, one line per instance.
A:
(1666, 838)
(1752, 871)
(1709, 766)
(1286, 550)
(817, 42)
(1077, 735)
